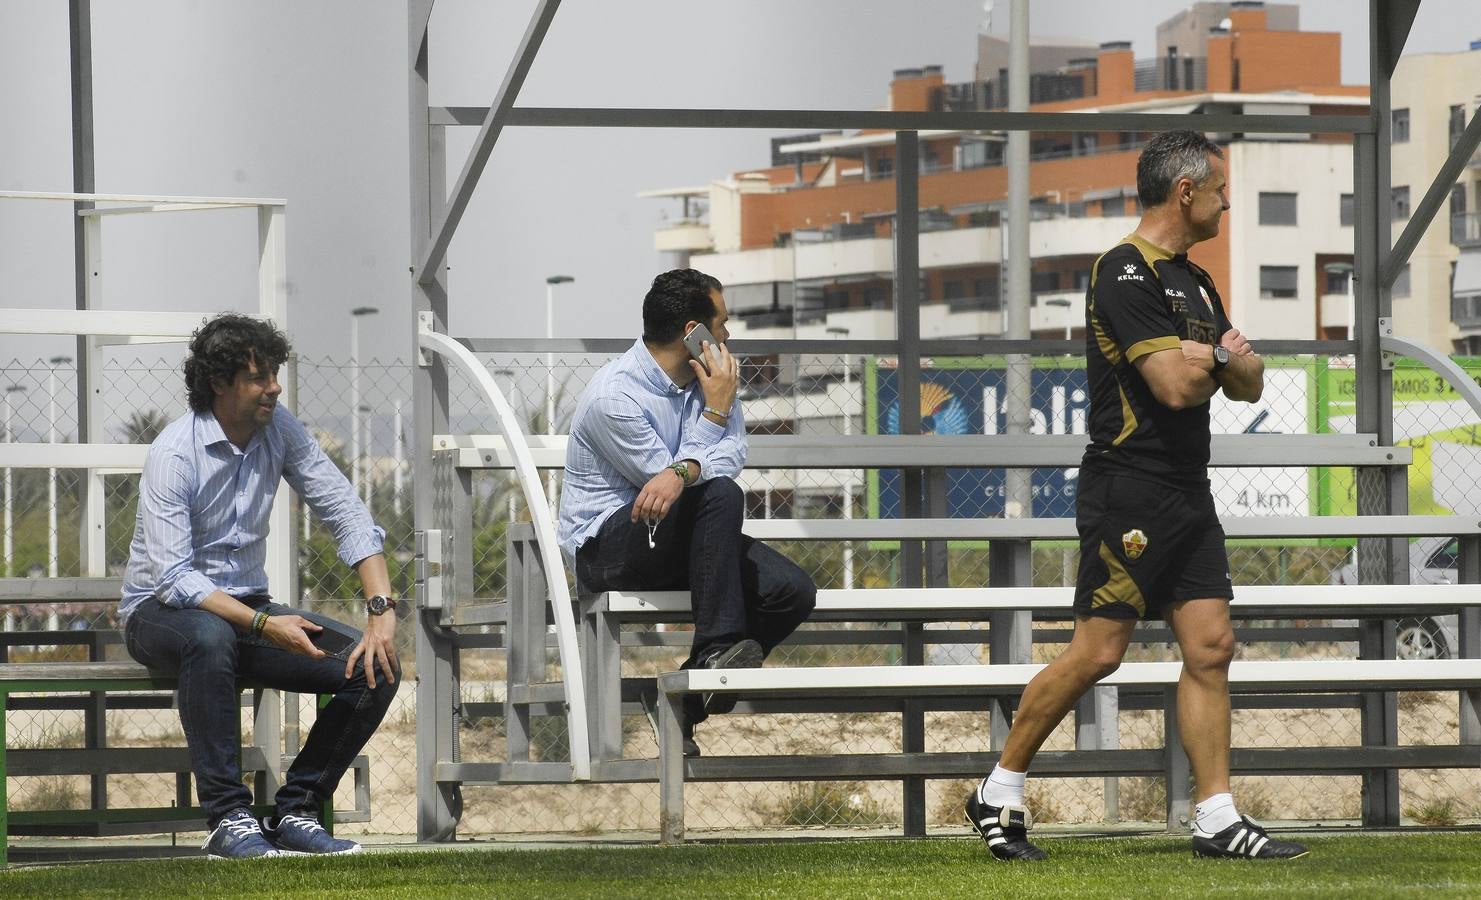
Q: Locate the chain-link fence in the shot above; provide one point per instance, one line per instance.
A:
(811, 395)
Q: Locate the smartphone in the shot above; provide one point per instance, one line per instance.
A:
(694, 340)
(335, 643)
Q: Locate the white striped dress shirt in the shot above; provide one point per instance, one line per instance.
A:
(202, 519)
(631, 422)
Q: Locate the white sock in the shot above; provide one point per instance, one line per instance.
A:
(1215, 814)
(1002, 788)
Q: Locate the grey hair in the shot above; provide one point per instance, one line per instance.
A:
(1168, 157)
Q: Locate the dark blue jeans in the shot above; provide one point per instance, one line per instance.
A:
(208, 655)
(739, 587)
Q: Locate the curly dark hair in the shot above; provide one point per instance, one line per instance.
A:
(677, 296)
(226, 345)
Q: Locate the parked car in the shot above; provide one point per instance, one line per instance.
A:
(1432, 560)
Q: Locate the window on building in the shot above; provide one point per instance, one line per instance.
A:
(1457, 122)
(1401, 284)
(1399, 126)
(1337, 281)
(953, 290)
(1044, 281)
(986, 290)
(1277, 209)
(1458, 200)
(1344, 211)
(974, 154)
(1278, 282)
(884, 166)
(1401, 202)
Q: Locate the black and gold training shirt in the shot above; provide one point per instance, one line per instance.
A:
(1142, 299)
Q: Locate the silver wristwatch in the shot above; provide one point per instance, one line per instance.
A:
(378, 604)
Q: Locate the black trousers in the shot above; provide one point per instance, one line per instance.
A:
(739, 587)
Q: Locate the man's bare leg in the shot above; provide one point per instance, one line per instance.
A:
(996, 809)
(1094, 652)
(1206, 638)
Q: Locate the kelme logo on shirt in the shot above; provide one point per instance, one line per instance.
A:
(1207, 301)
(1130, 275)
(1134, 542)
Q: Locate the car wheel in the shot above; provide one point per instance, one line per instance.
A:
(1420, 639)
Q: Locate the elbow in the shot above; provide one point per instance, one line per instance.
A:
(1172, 397)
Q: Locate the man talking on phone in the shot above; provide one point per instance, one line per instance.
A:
(650, 500)
(195, 601)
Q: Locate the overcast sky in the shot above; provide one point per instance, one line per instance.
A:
(307, 102)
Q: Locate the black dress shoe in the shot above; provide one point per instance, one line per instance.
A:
(744, 654)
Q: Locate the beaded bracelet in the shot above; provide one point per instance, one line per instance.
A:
(259, 622)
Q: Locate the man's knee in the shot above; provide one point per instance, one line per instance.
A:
(1213, 653)
(804, 593)
(211, 640)
(722, 492)
(1094, 661)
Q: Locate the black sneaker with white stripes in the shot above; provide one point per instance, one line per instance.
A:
(1244, 840)
(1005, 828)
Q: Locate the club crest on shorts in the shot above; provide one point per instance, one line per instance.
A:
(1134, 542)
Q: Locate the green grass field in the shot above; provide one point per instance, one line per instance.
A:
(1427, 865)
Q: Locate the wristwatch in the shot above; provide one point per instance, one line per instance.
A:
(1221, 358)
(378, 604)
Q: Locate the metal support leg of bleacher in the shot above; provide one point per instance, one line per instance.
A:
(1383, 561)
(1177, 772)
(1010, 634)
(439, 804)
(1468, 628)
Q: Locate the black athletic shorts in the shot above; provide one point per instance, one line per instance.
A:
(1143, 545)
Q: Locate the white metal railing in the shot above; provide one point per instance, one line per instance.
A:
(541, 516)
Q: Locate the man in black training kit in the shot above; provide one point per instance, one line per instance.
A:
(1159, 346)
(650, 500)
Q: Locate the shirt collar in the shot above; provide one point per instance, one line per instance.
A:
(652, 371)
(209, 432)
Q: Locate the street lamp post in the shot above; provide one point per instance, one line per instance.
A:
(397, 480)
(1068, 322)
(507, 377)
(367, 477)
(51, 473)
(356, 464)
(848, 476)
(10, 391)
(550, 283)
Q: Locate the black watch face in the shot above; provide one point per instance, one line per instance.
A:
(376, 605)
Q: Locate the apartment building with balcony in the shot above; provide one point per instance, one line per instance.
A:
(805, 245)
(1437, 299)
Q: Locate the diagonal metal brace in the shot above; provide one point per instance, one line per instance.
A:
(1439, 192)
(493, 125)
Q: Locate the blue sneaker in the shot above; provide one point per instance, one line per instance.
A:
(300, 834)
(238, 836)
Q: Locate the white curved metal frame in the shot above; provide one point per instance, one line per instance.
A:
(1443, 366)
(550, 558)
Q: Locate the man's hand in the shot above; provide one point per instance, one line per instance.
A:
(1198, 355)
(657, 496)
(378, 648)
(293, 633)
(720, 382)
(1235, 343)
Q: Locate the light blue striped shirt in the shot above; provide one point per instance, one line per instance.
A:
(202, 520)
(630, 423)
